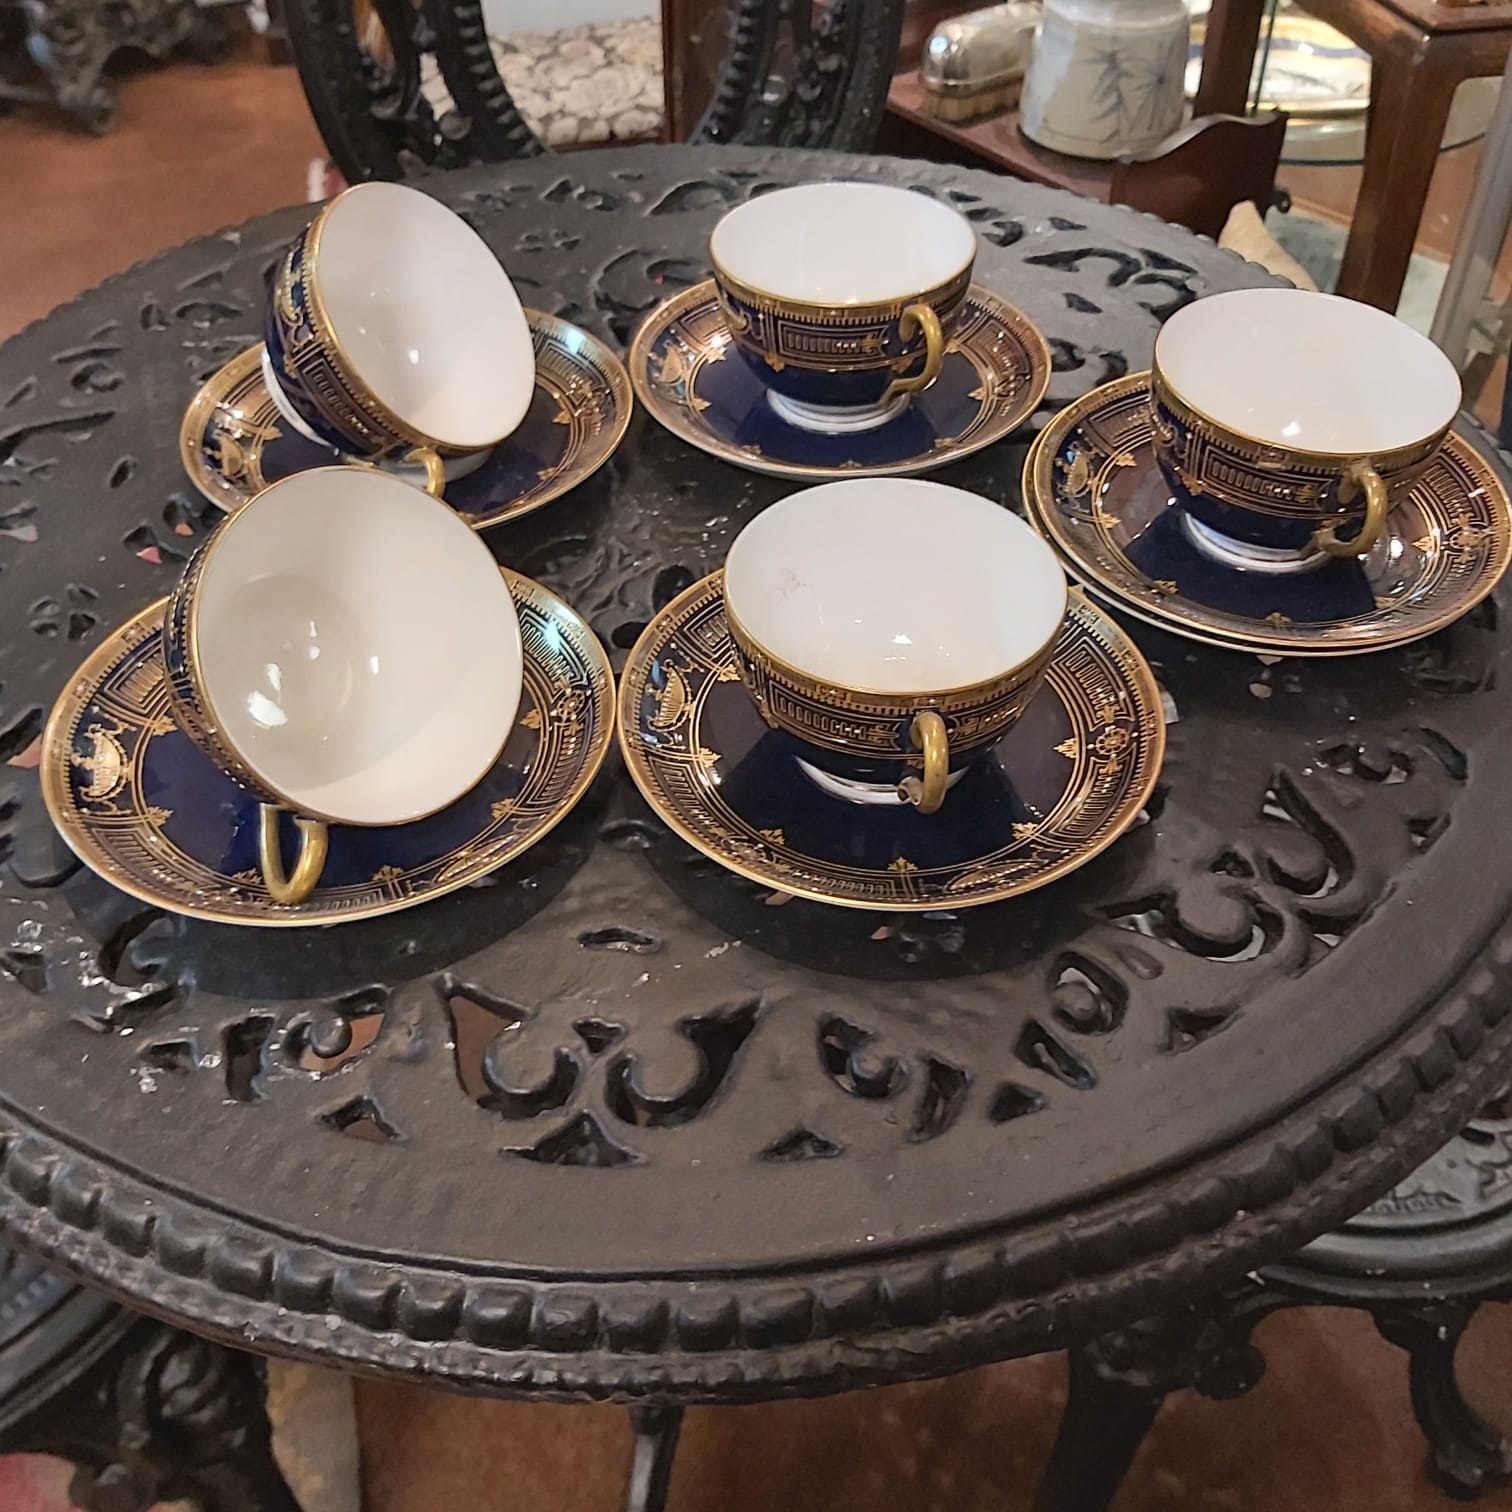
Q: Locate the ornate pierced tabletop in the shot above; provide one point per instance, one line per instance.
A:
(617, 1122)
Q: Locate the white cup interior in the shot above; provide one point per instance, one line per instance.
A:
(893, 585)
(842, 243)
(1309, 371)
(358, 646)
(425, 314)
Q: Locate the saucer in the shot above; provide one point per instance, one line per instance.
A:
(1064, 783)
(689, 376)
(1093, 488)
(234, 441)
(147, 810)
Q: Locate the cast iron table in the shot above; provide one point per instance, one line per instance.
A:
(621, 1125)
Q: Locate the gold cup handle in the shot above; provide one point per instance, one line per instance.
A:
(921, 317)
(927, 793)
(314, 840)
(435, 468)
(1360, 475)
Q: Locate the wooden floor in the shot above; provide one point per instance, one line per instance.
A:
(1328, 1430)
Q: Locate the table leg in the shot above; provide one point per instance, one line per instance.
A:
(1105, 1422)
(1409, 107)
(1228, 57)
(656, 1432)
(1466, 1453)
(1119, 1380)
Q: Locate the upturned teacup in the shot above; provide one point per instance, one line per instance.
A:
(345, 648)
(390, 325)
(842, 296)
(1288, 423)
(894, 628)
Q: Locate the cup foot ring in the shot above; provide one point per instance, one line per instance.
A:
(835, 419)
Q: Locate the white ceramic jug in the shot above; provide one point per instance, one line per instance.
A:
(1107, 76)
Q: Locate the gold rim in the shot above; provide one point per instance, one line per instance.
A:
(193, 575)
(208, 399)
(872, 309)
(1301, 456)
(1141, 685)
(325, 334)
(972, 692)
(676, 419)
(1039, 492)
(56, 746)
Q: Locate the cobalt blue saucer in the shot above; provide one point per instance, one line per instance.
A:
(1065, 782)
(140, 804)
(687, 375)
(1093, 487)
(234, 441)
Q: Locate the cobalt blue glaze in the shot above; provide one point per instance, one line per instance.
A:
(739, 413)
(1338, 589)
(214, 820)
(1013, 782)
(511, 470)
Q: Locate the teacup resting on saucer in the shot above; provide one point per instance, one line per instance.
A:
(894, 628)
(391, 326)
(345, 647)
(842, 296)
(1288, 423)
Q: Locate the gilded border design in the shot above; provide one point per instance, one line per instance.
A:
(233, 418)
(942, 295)
(846, 340)
(567, 703)
(859, 722)
(1282, 482)
(306, 351)
(686, 332)
(1462, 553)
(1113, 759)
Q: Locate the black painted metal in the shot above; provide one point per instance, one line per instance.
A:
(1421, 1260)
(145, 1413)
(656, 1434)
(635, 1128)
(789, 78)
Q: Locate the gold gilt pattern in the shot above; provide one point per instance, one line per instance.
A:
(1451, 536)
(839, 719)
(101, 728)
(1251, 475)
(1112, 759)
(687, 332)
(830, 338)
(231, 420)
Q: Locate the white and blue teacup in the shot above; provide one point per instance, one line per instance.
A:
(894, 628)
(842, 297)
(390, 325)
(1288, 423)
(345, 647)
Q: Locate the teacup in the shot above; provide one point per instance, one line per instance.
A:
(895, 628)
(842, 297)
(345, 647)
(1288, 423)
(390, 325)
